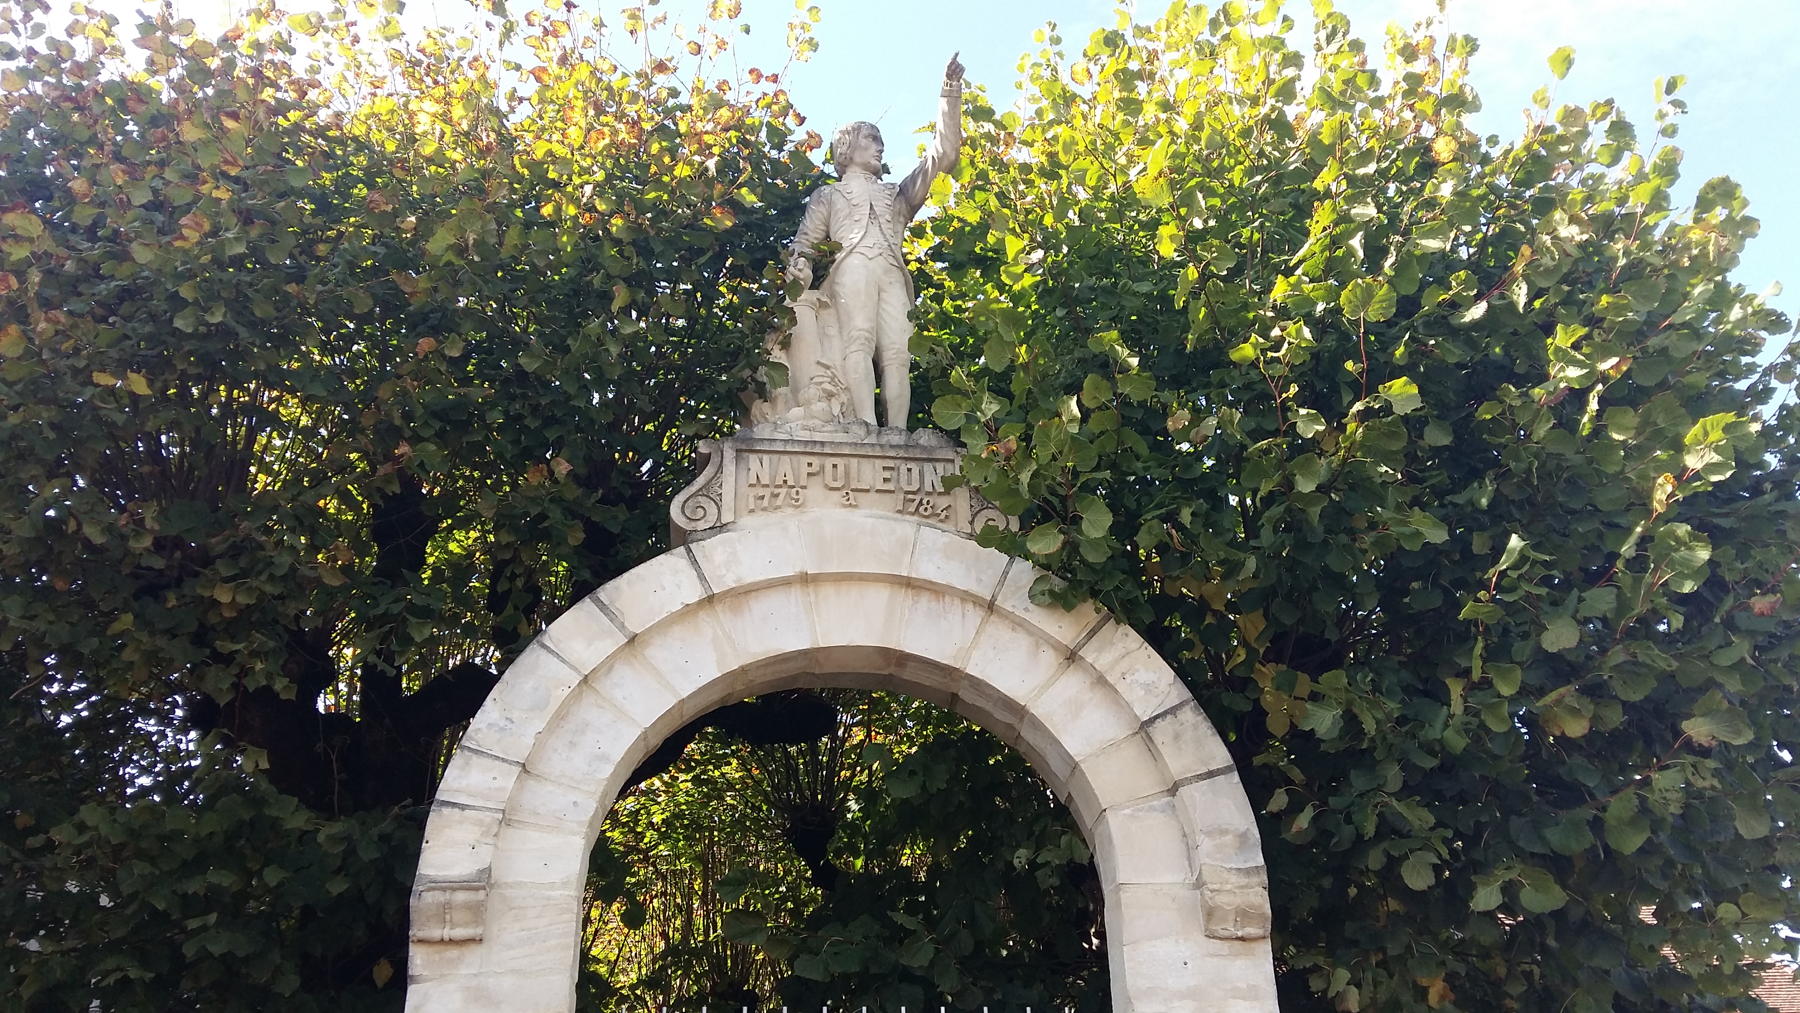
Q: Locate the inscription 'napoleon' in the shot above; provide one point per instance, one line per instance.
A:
(746, 478)
(787, 481)
(852, 473)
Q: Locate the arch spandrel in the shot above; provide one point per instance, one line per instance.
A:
(860, 600)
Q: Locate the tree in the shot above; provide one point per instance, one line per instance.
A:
(332, 364)
(1454, 476)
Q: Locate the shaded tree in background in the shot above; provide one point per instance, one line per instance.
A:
(903, 857)
(1454, 475)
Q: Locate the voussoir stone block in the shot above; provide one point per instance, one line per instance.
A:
(478, 779)
(867, 613)
(584, 636)
(1185, 742)
(529, 925)
(942, 559)
(767, 622)
(1142, 843)
(1216, 815)
(858, 545)
(1008, 664)
(559, 807)
(459, 842)
(652, 591)
(743, 561)
(940, 626)
(586, 740)
(522, 703)
(689, 650)
(637, 690)
(1121, 774)
(535, 853)
(1081, 712)
(1064, 627)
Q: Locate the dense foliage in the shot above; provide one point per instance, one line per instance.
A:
(332, 362)
(1454, 475)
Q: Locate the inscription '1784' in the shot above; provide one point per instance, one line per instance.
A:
(776, 481)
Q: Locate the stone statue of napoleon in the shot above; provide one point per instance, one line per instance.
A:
(858, 317)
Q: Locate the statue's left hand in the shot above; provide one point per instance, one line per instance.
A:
(953, 71)
(800, 269)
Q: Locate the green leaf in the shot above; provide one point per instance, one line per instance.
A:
(1727, 724)
(917, 951)
(1418, 871)
(744, 927)
(1561, 61)
(1402, 394)
(1430, 527)
(1368, 299)
(1539, 892)
(1308, 423)
(1515, 547)
(1308, 471)
(1506, 677)
(1560, 634)
(1136, 385)
(1044, 539)
(1684, 553)
(1751, 817)
(949, 411)
(1095, 391)
(1482, 612)
(1096, 517)
(1569, 835)
(1626, 827)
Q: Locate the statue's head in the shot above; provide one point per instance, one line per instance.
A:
(857, 146)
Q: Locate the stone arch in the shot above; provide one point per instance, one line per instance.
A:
(843, 599)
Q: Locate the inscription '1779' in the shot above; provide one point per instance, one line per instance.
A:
(792, 481)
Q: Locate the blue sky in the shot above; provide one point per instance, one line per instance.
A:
(881, 61)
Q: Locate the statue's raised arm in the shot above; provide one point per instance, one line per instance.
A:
(868, 292)
(946, 144)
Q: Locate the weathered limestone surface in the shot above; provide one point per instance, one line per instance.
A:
(825, 597)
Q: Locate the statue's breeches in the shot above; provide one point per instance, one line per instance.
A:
(873, 300)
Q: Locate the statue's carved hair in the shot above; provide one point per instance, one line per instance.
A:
(846, 138)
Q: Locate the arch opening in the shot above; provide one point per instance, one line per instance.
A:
(842, 849)
(854, 601)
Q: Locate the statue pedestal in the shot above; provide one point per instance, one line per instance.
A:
(747, 478)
